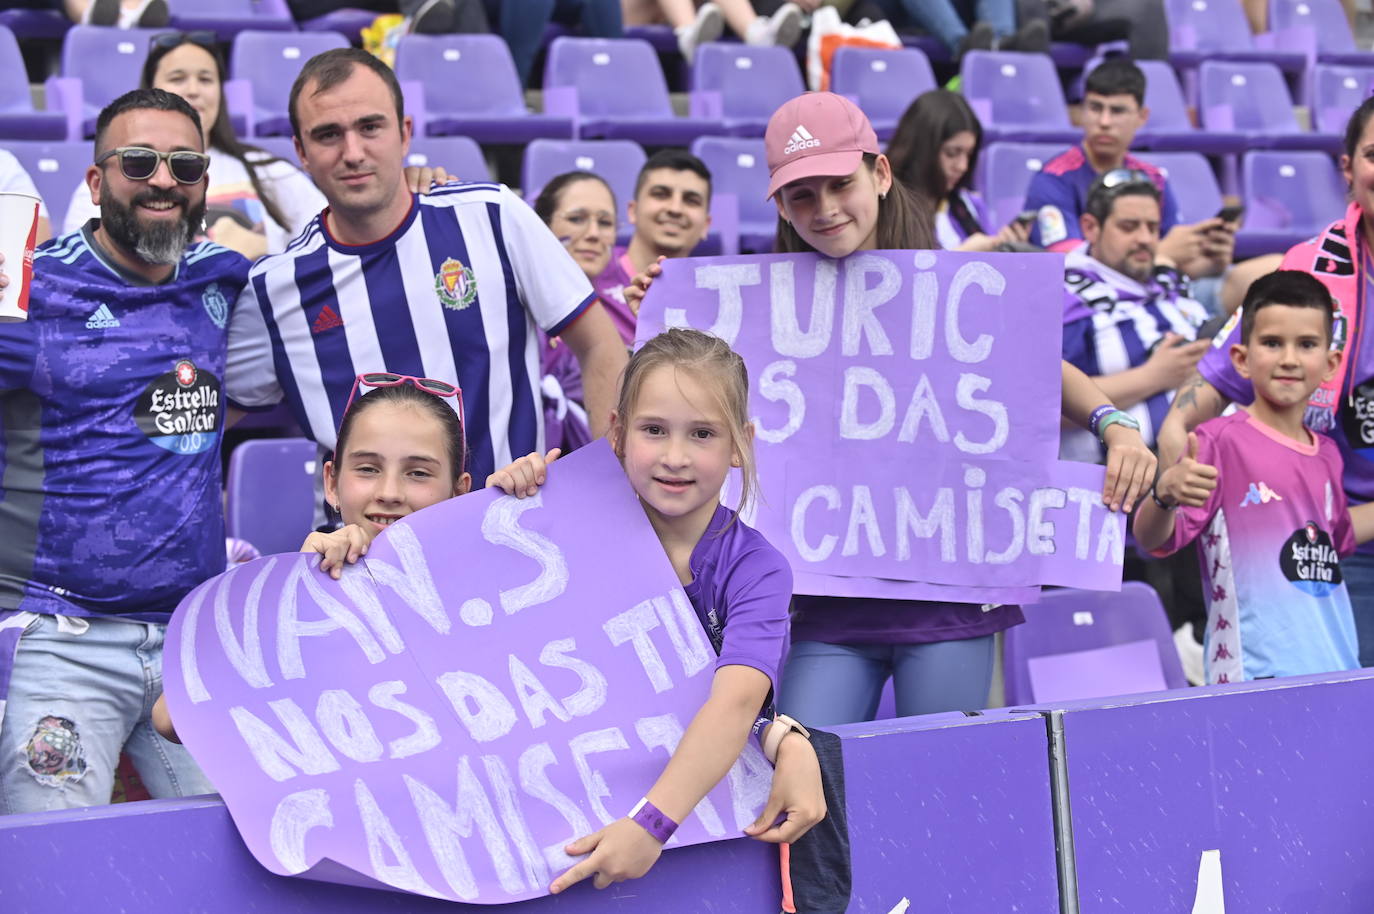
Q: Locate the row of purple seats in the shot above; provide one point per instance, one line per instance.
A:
(1289, 195)
(58, 166)
(599, 88)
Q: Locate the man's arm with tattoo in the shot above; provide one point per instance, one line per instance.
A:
(1194, 403)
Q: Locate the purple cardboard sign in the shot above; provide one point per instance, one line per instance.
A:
(493, 680)
(907, 412)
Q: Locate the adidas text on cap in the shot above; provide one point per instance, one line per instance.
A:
(816, 134)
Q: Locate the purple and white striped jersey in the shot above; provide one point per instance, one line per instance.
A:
(456, 292)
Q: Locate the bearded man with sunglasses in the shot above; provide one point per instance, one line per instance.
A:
(111, 410)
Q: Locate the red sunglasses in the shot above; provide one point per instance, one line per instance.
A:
(428, 385)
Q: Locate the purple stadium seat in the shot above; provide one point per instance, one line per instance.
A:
(41, 25)
(270, 61)
(227, 18)
(741, 86)
(613, 88)
(1193, 182)
(1169, 126)
(18, 119)
(347, 21)
(98, 65)
(882, 82)
(618, 161)
(1289, 197)
(460, 156)
(489, 107)
(1251, 100)
(270, 496)
(1082, 644)
(56, 168)
(661, 37)
(739, 166)
(1218, 30)
(283, 147)
(1319, 25)
(1006, 171)
(1017, 97)
(1337, 90)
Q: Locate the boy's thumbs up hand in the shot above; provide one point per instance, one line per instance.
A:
(1188, 482)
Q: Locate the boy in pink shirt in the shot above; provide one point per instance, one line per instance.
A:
(1261, 494)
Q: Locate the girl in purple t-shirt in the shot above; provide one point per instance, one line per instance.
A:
(680, 425)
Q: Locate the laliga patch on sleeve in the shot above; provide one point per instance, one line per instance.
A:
(1224, 333)
(1051, 222)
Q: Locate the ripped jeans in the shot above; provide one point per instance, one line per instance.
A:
(76, 699)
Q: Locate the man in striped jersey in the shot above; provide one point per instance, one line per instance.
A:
(110, 419)
(1128, 321)
(452, 285)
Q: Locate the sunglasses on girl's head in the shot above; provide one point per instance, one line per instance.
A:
(428, 385)
(138, 163)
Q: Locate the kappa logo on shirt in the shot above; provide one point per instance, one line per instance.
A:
(1260, 494)
(101, 319)
(327, 319)
(801, 139)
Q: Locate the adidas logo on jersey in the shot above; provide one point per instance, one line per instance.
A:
(101, 319)
(801, 139)
(327, 319)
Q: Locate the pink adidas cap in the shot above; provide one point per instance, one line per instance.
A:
(818, 133)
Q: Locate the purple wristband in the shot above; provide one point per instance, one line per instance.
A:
(1102, 412)
(652, 819)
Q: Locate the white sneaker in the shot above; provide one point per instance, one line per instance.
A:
(1191, 653)
(708, 26)
(783, 28)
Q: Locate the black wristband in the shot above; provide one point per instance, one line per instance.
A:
(1154, 496)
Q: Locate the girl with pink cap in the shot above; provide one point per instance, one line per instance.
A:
(836, 195)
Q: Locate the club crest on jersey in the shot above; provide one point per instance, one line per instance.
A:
(455, 284)
(216, 305)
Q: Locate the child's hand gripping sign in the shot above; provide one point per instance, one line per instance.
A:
(496, 678)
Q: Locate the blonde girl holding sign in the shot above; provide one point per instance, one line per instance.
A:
(835, 195)
(680, 425)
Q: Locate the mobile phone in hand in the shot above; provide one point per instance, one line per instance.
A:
(1231, 213)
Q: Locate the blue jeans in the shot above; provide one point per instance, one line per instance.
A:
(75, 701)
(522, 24)
(945, 19)
(1358, 571)
(825, 684)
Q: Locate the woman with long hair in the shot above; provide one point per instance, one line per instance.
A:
(934, 152)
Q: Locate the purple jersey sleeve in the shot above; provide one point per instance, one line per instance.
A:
(18, 352)
(1216, 367)
(1342, 528)
(1052, 196)
(758, 593)
(1168, 216)
(1189, 522)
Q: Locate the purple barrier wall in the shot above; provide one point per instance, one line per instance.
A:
(1274, 775)
(951, 813)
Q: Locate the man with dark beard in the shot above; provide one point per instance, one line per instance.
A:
(1129, 322)
(110, 419)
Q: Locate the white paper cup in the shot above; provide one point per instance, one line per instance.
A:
(18, 228)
